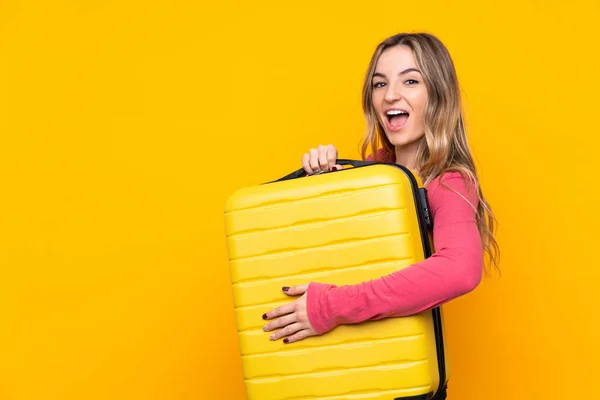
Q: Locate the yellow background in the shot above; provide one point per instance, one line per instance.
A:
(125, 125)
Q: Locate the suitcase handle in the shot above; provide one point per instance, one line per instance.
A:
(340, 161)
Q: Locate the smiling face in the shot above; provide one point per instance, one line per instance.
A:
(399, 96)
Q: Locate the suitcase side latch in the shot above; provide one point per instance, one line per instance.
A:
(424, 208)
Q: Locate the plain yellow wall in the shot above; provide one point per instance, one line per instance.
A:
(126, 124)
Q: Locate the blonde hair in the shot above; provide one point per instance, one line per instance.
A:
(444, 146)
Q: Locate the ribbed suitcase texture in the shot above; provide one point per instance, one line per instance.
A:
(341, 227)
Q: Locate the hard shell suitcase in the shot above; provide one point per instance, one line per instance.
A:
(340, 227)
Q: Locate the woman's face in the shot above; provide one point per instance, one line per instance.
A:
(399, 96)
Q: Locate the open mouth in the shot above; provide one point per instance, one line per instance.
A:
(397, 118)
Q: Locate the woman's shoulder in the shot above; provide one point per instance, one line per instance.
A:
(453, 185)
(451, 178)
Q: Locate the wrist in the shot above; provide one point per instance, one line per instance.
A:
(318, 309)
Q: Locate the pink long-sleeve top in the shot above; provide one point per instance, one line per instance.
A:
(453, 270)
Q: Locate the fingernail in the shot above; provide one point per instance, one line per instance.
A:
(272, 337)
(265, 328)
(285, 288)
(264, 316)
(286, 340)
(334, 168)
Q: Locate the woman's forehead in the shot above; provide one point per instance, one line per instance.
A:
(396, 60)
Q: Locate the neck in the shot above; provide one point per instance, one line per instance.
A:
(406, 155)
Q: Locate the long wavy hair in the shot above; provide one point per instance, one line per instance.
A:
(444, 146)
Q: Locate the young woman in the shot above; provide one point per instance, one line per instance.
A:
(411, 100)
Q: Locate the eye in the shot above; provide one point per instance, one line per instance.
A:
(411, 81)
(378, 84)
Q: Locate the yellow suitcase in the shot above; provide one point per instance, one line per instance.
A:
(339, 227)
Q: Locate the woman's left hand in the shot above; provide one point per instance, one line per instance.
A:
(292, 318)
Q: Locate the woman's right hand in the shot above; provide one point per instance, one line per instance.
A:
(321, 159)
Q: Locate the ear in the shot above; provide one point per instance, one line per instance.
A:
(297, 290)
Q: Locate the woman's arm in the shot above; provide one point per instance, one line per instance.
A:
(453, 270)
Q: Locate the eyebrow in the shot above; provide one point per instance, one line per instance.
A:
(406, 71)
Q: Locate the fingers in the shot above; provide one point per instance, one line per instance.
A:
(301, 334)
(313, 160)
(295, 290)
(280, 311)
(322, 158)
(290, 320)
(331, 155)
(306, 164)
(287, 331)
(280, 322)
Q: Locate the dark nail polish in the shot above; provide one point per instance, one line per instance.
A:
(264, 316)
(286, 340)
(285, 288)
(334, 168)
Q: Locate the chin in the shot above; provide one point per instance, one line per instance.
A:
(402, 139)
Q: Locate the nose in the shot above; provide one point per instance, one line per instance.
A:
(392, 94)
